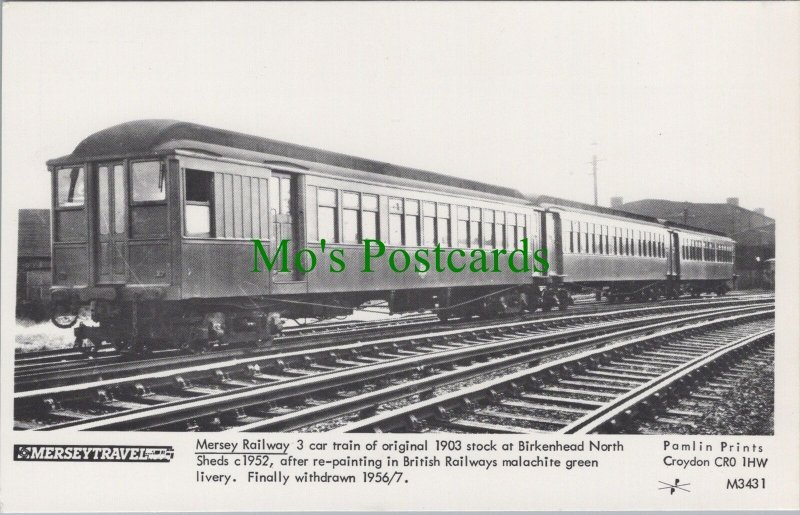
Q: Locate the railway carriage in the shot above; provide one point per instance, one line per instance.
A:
(704, 260)
(623, 255)
(154, 222)
(613, 254)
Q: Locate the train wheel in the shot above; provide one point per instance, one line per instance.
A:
(62, 316)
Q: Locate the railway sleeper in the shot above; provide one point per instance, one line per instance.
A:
(520, 417)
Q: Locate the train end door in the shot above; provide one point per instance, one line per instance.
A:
(111, 249)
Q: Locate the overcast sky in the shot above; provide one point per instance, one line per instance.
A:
(682, 101)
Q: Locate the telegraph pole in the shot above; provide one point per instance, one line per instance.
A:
(594, 174)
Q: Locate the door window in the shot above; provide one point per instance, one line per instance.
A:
(70, 187)
(148, 180)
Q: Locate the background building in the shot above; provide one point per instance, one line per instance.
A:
(33, 262)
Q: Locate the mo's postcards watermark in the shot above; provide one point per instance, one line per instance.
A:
(399, 260)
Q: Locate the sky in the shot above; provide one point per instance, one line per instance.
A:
(694, 102)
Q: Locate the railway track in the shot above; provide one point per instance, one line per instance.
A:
(99, 374)
(262, 397)
(683, 405)
(73, 366)
(599, 391)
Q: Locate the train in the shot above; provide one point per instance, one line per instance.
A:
(154, 222)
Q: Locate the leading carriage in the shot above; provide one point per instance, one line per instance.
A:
(154, 222)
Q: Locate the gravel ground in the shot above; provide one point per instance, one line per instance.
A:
(747, 409)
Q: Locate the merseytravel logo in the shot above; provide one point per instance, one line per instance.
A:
(94, 453)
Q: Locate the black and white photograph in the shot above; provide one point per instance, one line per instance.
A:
(453, 229)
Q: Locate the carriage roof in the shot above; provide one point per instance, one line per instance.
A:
(150, 136)
(549, 201)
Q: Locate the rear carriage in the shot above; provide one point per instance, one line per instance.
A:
(705, 259)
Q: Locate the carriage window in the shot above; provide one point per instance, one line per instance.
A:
(395, 221)
(613, 249)
(351, 205)
(70, 187)
(443, 225)
(102, 200)
(429, 223)
(412, 222)
(500, 229)
(326, 214)
(583, 237)
(474, 228)
(369, 217)
(511, 229)
(488, 228)
(198, 186)
(572, 237)
(120, 199)
(148, 180)
(286, 195)
(586, 245)
(599, 239)
(463, 226)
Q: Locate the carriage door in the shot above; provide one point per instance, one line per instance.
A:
(553, 230)
(283, 207)
(675, 255)
(112, 208)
